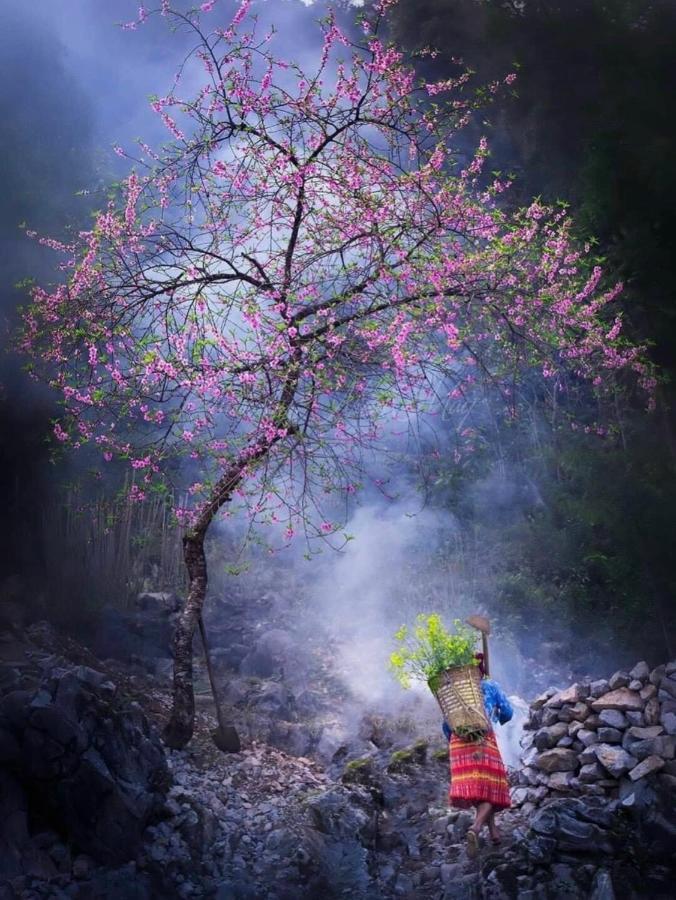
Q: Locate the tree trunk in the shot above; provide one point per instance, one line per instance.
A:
(179, 729)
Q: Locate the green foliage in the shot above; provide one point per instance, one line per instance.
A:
(430, 649)
(567, 535)
(401, 759)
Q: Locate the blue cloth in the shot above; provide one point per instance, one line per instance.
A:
(497, 706)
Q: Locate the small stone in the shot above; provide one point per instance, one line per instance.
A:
(621, 699)
(548, 737)
(651, 713)
(635, 684)
(526, 740)
(587, 756)
(613, 718)
(663, 746)
(590, 773)
(619, 680)
(668, 721)
(667, 688)
(540, 701)
(530, 775)
(577, 712)
(641, 671)
(598, 688)
(549, 716)
(657, 675)
(519, 796)
(670, 668)
(574, 727)
(557, 760)
(610, 735)
(615, 760)
(635, 718)
(529, 757)
(566, 741)
(560, 781)
(570, 695)
(648, 691)
(646, 767)
(537, 793)
(636, 733)
(587, 737)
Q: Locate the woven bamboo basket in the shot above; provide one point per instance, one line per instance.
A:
(458, 693)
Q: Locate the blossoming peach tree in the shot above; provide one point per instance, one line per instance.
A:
(300, 261)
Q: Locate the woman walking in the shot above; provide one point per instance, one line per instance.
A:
(478, 775)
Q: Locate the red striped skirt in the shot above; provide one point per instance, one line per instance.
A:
(478, 774)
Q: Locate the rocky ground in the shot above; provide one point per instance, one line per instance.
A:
(315, 805)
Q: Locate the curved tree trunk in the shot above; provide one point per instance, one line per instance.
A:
(179, 729)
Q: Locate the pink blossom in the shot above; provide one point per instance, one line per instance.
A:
(300, 263)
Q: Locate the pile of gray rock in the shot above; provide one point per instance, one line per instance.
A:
(606, 738)
(83, 775)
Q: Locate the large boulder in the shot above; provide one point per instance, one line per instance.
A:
(572, 826)
(85, 761)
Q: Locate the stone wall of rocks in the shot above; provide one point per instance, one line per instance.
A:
(607, 738)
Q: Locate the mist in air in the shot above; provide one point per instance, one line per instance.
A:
(524, 531)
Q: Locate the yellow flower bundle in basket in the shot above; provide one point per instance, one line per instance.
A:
(446, 661)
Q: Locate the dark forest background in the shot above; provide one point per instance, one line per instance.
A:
(591, 122)
(568, 534)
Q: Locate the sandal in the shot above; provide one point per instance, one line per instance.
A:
(472, 843)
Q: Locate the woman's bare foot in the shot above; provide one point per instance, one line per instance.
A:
(493, 829)
(472, 843)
